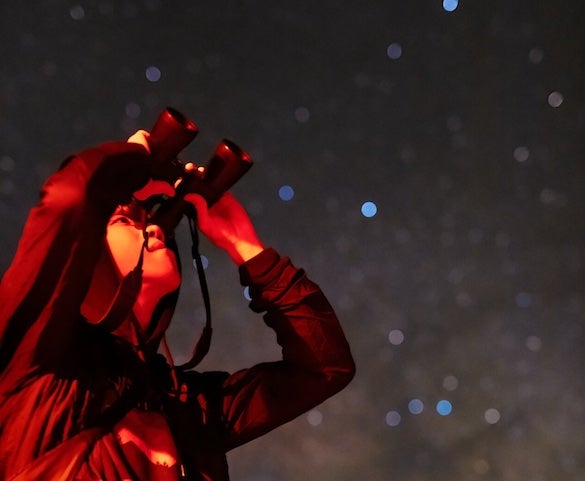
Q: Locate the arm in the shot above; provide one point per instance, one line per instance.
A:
(63, 235)
(316, 360)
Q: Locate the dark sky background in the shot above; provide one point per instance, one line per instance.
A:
(435, 162)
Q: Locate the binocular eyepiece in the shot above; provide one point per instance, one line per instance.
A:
(171, 133)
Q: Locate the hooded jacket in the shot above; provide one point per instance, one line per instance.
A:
(71, 393)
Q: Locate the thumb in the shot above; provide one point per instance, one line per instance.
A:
(201, 207)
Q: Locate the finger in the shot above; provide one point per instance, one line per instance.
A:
(140, 137)
(201, 207)
(162, 187)
(154, 187)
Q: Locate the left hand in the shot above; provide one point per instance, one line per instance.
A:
(228, 226)
(153, 187)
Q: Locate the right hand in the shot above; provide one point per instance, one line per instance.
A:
(228, 226)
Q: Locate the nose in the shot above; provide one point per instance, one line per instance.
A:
(153, 230)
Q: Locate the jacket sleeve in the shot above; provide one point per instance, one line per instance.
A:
(42, 290)
(316, 360)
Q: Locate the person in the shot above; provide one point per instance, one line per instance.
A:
(84, 393)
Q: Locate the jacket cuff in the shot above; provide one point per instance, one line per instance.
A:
(260, 269)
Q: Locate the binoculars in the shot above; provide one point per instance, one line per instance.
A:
(171, 133)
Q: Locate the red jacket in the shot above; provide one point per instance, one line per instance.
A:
(69, 391)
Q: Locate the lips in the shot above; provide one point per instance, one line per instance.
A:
(155, 244)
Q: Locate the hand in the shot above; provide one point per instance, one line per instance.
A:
(153, 187)
(228, 226)
(140, 137)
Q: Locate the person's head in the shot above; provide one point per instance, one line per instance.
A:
(125, 237)
(124, 240)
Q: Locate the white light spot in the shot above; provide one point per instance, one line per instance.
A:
(550, 197)
(77, 12)
(6, 187)
(7, 164)
(463, 299)
(302, 114)
(555, 99)
(393, 418)
(314, 417)
(492, 416)
(450, 383)
(534, 343)
(394, 51)
(133, 110)
(396, 337)
(521, 154)
(153, 74)
(535, 55)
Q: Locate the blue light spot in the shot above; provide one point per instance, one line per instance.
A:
(523, 300)
(153, 74)
(204, 262)
(450, 5)
(416, 406)
(369, 209)
(247, 294)
(394, 51)
(444, 407)
(286, 193)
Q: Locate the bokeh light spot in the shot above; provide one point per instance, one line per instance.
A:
(416, 406)
(153, 74)
(302, 114)
(7, 164)
(444, 407)
(77, 12)
(394, 51)
(286, 193)
(6, 187)
(492, 416)
(534, 343)
(133, 110)
(450, 383)
(204, 262)
(396, 337)
(523, 299)
(521, 154)
(450, 5)
(369, 209)
(555, 99)
(314, 417)
(247, 295)
(535, 55)
(393, 418)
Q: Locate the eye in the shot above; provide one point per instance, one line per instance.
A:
(121, 219)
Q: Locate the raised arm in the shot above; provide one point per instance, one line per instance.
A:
(61, 241)
(316, 360)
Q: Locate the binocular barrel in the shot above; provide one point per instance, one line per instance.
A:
(172, 133)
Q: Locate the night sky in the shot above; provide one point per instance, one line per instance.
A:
(423, 161)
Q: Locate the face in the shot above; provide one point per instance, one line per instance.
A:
(125, 238)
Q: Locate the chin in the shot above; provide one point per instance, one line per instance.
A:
(162, 271)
